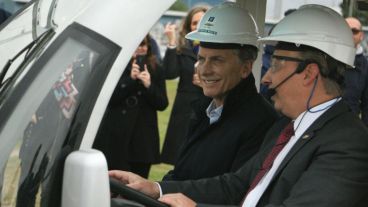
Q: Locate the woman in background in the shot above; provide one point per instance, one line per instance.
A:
(179, 60)
(129, 135)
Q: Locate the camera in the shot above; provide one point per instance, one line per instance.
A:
(141, 61)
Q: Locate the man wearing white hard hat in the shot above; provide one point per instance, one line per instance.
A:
(318, 154)
(227, 129)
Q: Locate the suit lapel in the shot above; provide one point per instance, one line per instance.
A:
(310, 133)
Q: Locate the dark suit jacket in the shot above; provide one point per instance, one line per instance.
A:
(129, 129)
(225, 145)
(179, 65)
(327, 167)
(356, 87)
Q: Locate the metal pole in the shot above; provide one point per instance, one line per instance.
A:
(351, 6)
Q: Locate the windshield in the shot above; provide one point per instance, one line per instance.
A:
(46, 113)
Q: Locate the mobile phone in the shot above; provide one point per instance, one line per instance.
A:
(140, 60)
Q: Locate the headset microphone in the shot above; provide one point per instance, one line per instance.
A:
(272, 91)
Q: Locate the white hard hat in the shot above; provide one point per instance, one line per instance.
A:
(226, 23)
(319, 27)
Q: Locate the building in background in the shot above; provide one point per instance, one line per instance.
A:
(191, 3)
(157, 31)
(274, 13)
(275, 9)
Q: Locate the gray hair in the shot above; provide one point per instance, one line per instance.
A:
(247, 52)
(331, 69)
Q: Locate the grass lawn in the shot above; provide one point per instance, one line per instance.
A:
(158, 171)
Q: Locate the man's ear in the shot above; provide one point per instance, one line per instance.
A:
(310, 73)
(246, 68)
(361, 36)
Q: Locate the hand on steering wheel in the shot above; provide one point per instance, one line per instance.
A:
(134, 195)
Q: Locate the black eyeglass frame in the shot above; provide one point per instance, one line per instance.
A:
(301, 62)
(280, 57)
(355, 31)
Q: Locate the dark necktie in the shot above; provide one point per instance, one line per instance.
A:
(282, 140)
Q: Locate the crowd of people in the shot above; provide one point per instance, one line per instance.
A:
(230, 146)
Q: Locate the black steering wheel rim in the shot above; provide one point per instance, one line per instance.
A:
(134, 195)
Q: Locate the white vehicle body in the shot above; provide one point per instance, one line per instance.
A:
(54, 96)
(93, 38)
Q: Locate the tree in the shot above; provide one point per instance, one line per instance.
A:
(359, 10)
(179, 6)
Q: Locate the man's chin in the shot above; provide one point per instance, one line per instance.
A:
(273, 98)
(208, 94)
(275, 102)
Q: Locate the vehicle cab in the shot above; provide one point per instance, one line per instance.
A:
(60, 62)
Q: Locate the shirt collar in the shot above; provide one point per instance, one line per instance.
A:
(359, 50)
(307, 118)
(213, 113)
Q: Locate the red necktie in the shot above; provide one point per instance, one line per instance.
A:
(283, 139)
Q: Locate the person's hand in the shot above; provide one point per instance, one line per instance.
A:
(136, 182)
(134, 72)
(145, 77)
(170, 32)
(34, 119)
(177, 200)
(196, 80)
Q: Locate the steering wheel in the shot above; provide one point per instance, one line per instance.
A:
(134, 195)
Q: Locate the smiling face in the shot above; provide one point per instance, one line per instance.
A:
(142, 48)
(220, 70)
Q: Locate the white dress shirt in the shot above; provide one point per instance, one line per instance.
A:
(301, 124)
(213, 112)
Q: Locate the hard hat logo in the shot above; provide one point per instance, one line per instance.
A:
(221, 25)
(207, 31)
(209, 24)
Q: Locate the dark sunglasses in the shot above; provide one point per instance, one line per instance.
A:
(355, 31)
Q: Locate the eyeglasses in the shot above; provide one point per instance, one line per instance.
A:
(355, 31)
(278, 61)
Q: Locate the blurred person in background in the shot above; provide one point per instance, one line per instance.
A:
(356, 79)
(129, 135)
(228, 125)
(179, 60)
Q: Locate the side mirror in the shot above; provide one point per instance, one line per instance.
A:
(85, 180)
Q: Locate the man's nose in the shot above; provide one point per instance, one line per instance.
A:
(204, 68)
(266, 79)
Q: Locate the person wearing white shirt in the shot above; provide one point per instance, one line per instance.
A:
(324, 163)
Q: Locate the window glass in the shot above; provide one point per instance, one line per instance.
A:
(48, 105)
